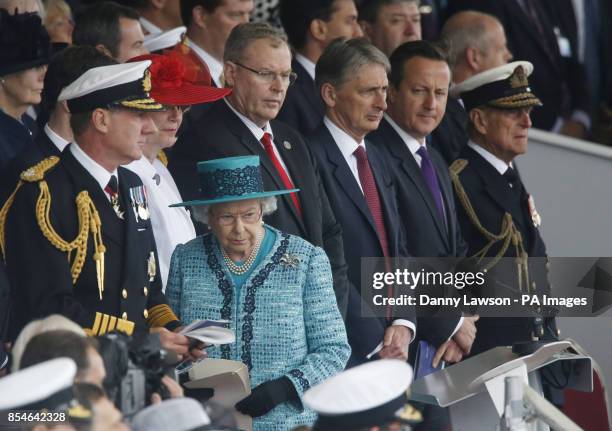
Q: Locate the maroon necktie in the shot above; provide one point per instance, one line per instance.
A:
(370, 191)
(266, 140)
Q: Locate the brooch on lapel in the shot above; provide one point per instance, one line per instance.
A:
(138, 197)
(535, 216)
(289, 261)
(151, 266)
(114, 200)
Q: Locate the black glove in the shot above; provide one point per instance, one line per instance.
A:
(267, 396)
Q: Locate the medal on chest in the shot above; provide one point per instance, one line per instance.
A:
(151, 266)
(535, 216)
(139, 203)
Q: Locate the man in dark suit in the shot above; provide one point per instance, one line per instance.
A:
(53, 117)
(532, 37)
(258, 68)
(493, 204)
(476, 42)
(91, 254)
(352, 78)
(310, 26)
(425, 196)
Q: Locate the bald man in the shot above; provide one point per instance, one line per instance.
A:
(477, 42)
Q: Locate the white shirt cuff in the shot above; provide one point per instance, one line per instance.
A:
(397, 322)
(457, 327)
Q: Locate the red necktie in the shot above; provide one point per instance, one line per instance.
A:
(366, 178)
(266, 140)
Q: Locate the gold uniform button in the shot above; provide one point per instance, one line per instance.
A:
(124, 294)
(124, 316)
(145, 291)
(145, 313)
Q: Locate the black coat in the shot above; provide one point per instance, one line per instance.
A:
(41, 149)
(303, 108)
(358, 231)
(225, 135)
(491, 197)
(39, 273)
(427, 235)
(554, 79)
(450, 137)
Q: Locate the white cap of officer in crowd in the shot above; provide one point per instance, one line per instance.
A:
(503, 87)
(167, 39)
(44, 387)
(177, 414)
(368, 395)
(125, 85)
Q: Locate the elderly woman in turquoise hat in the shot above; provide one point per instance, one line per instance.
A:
(275, 290)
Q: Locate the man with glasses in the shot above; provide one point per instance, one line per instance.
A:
(258, 69)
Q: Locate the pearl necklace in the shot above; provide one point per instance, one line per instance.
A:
(244, 268)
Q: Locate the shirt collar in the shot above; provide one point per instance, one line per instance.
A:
(101, 175)
(214, 65)
(57, 140)
(413, 144)
(142, 167)
(496, 162)
(257, 131)
(344, 141)
(308, 65)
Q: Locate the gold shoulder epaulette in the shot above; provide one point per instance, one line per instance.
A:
(457, 166)
(38, 171)
(30, 175)
(162, 157)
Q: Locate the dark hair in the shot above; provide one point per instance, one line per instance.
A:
(79, 122)
(369, 9)
(98, 24)
(65, 67)
(87, 394)
(188, 5)
(56, 344)
(296, 16)
(342, 59)
(408, 50)
(241, 37)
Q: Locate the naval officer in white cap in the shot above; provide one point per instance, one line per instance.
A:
(41, 398)
(498, 217)
(78, 233)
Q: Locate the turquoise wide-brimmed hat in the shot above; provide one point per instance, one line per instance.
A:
(231, 179)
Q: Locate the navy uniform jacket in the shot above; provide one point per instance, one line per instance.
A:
(490, 196)
(358, 230)
(222, 134)
(41, 149)
(427, 235)
(14, 137)
(303, 108)
(40, 275)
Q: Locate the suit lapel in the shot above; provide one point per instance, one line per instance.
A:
(112, 226)
(398, 149)
(132, 247)
(345, 177)
(250, 143)
(496, 186)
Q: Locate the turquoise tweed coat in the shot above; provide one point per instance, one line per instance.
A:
(286, 319)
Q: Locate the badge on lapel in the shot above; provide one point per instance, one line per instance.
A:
(139, 202)
(287, 145)
(535, 216)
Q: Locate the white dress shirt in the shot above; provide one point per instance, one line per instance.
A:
(57, 140)
(495, 161)
(258, 132)
(100, 174)
(347, 146)
(214, 66)
(171, 226)
(306, 64)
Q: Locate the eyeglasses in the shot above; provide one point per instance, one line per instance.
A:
(269, 76)
(249, 217)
